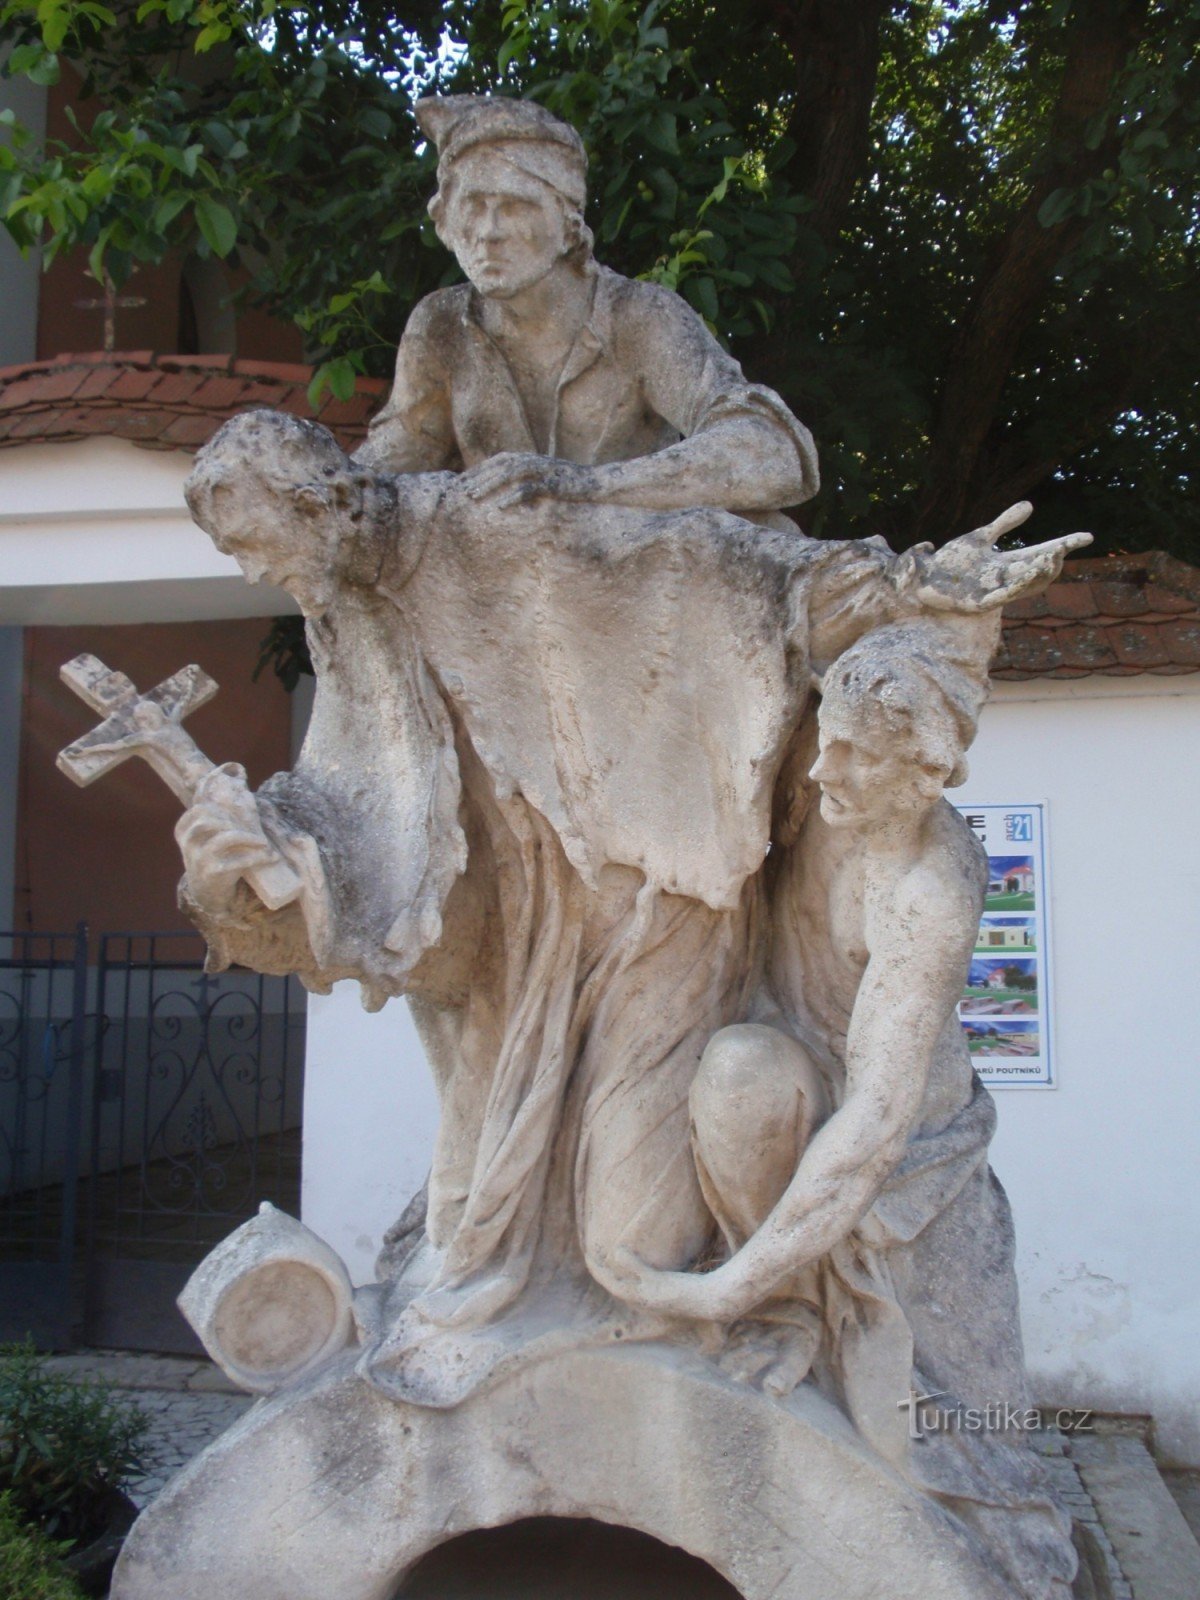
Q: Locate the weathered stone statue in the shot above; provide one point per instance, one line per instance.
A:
(710, 1201)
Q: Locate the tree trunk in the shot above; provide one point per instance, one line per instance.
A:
(1100, 36)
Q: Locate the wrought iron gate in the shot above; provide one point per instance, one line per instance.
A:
(160, 1104)
(43, 1000)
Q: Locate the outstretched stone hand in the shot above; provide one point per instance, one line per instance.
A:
(970, 575)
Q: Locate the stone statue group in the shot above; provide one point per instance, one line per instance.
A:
(636, 792)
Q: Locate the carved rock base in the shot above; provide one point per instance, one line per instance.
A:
(332, 1489)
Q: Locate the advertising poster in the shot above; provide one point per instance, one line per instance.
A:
(1005, 1009)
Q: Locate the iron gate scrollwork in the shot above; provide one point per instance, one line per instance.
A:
(196, 1112)
(43, 1016)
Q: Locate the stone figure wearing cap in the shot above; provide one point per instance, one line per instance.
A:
(548, 375)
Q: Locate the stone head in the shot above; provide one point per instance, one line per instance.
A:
(511, 189)
(898, 711)
(279, 495)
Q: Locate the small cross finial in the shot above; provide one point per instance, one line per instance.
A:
(110, 304)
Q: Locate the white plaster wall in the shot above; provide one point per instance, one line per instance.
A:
(370, 1116)
(1101, 1170)
(98, 531)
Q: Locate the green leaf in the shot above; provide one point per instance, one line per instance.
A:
(338, 376)
(661, 133)
(217, 225)
(168, 209)
(375, 123)
(215, 33)
(702, 292)
(1056, 207)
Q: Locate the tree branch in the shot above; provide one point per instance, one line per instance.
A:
(1099, 39)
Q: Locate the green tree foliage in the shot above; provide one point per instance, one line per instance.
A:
(959, 237)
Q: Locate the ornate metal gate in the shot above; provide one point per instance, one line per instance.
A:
(196, 1112)
(43, 1000)
(156, 1103)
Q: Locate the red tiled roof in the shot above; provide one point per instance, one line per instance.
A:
(1118, 615)
(163, 402)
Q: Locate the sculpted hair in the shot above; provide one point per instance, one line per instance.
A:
(906, 676)
(281, 452)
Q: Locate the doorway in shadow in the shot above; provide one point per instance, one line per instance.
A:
(558, 1558)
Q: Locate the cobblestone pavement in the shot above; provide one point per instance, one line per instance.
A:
(1064, 1475)
(188, 1404)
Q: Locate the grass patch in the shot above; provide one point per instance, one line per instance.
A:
(30, 1568)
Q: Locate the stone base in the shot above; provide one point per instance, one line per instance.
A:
(330, 1489)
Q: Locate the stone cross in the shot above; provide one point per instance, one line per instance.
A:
(110, 305)
(149, 725)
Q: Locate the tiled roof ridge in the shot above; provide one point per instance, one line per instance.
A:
(1116, 615)
(163, 401)
(166, 361)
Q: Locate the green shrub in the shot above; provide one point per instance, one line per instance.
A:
(63, 1446)
(29, 1564)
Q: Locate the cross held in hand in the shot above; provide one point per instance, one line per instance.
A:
(149, 725)
(135, 724)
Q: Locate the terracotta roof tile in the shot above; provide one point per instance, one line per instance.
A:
(137, 395)
(95, 383)
(1069, 599)
(261, 392)
(281, 371)
(188, 431)
(1119, 597)
(132, 383)
(213, 363)
(1138, 646)
(174, 388)
(1116, 615)
(1182, 640)
(1028, 609)
(219, 394)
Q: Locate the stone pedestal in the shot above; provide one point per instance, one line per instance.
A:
(330, 1489)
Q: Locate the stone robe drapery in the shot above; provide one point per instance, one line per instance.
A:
(540, 774)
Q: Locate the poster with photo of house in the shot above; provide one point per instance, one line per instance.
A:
(1005, 1009)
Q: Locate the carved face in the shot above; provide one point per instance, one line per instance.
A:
(505, 227)
(279, 537)
(868, 771)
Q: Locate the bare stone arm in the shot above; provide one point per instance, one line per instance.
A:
(742, 463)
(908, 992)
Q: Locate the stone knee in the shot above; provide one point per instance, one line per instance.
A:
(754, 1103)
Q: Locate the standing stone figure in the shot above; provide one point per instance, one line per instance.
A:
(705, 1101)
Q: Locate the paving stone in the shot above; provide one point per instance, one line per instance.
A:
(1153, 1546)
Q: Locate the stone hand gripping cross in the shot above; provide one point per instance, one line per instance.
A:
(149, 725)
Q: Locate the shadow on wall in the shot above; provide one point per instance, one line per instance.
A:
(558, 1558)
